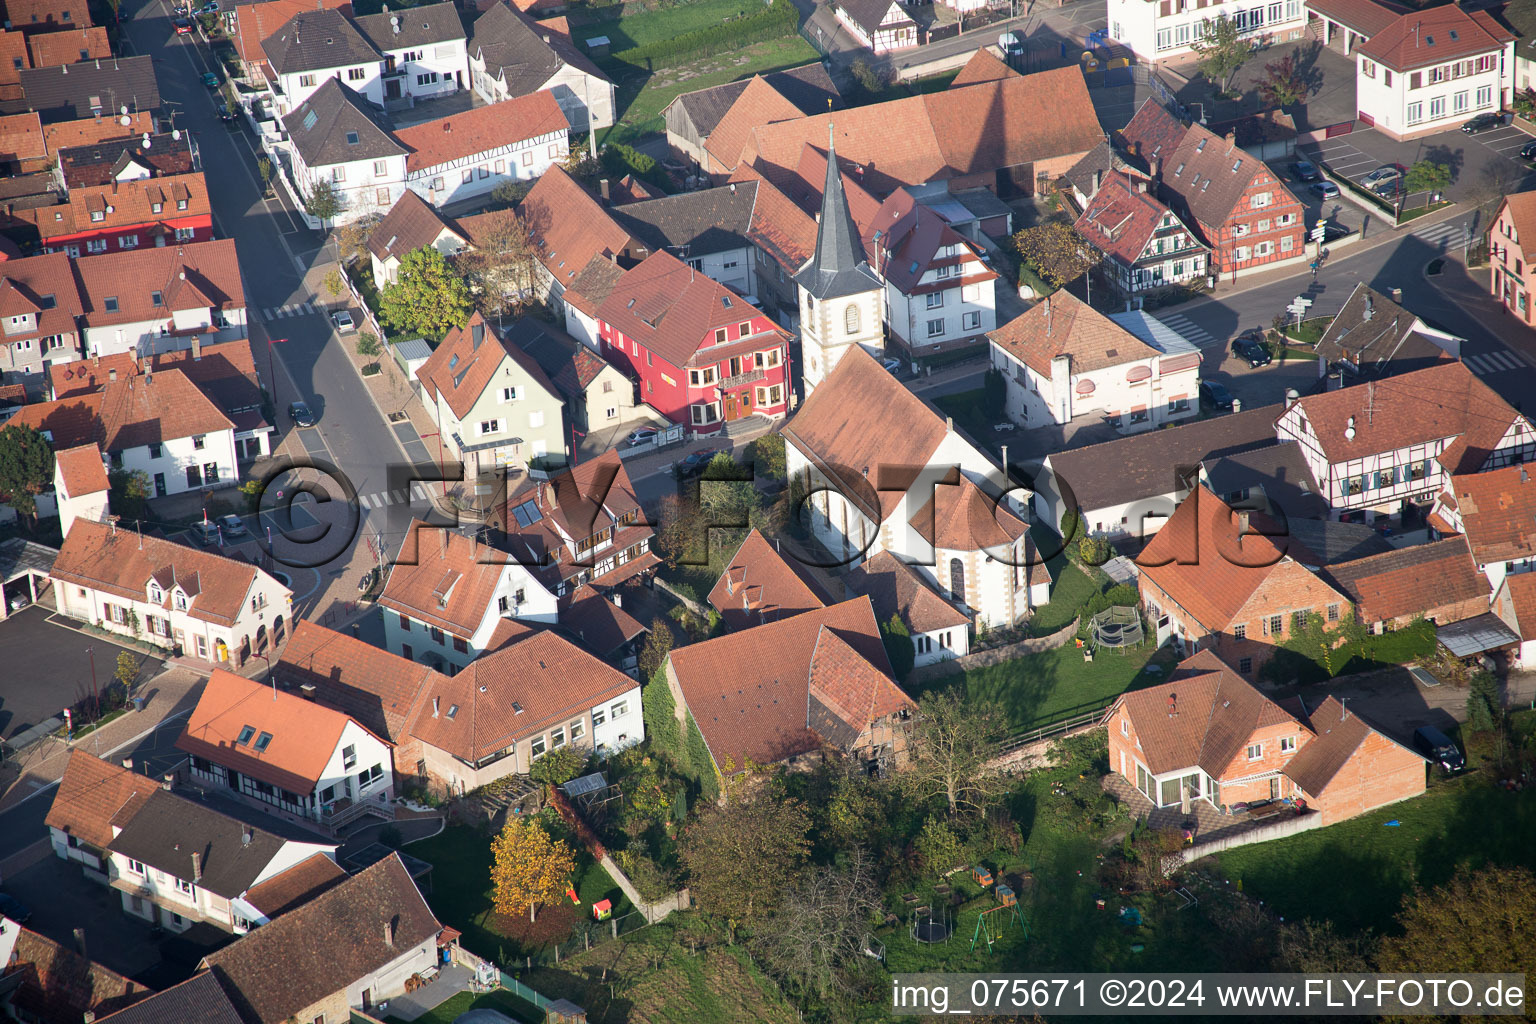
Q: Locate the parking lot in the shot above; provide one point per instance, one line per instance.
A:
(1488, 158)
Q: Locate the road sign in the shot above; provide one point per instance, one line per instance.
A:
(1303, 301)
(1319, 233)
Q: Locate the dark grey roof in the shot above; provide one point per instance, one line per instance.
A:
(198, 1000)
(73, 92)
(837, 265)
(708, 221)
(318, 41)
(1376, 336)
(808, 88)
(1089, 172)
(867, 14)
(515, 49)
(19, 556)
(1282, 473)
(169, 829)
(323, 126)
(414, 26)
(1146, 465)
(1335, 542)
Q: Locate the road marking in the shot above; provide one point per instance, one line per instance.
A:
(1441, 233)
(1190, 330)
(1485, 363)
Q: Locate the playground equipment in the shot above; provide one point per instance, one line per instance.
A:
(981, 876)
(1116, 628)
(1005, 895)
(930, 925)
(602, 910)
(991, 924)
(570, 890)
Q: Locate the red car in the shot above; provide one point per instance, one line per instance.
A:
(183, 26)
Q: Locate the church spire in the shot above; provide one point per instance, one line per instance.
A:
(838, 266)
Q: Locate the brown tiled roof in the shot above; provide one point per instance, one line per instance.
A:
(1498, 513)
(25, 286)
(759, 585)
(848, 694)
(82, 470)
(83, 132)
(749, 691)
(904, 234)
(1445, 401)
(58, 984)
(198, 1000)
(412, 223)
(476, 131)
(46, 15)
(256, 22)
(1063, 325)
(600, 625)
(462, 365)
(294, 886)
(594, 284)
(509, 695)
(367, 683)
(1439, 35)
(896, 588)
(443, 578)
(1122, 216)
(325, 946)
(571, 365)
(97, 163)
(225, 372)
(304, 734)
(129, 413)
(124, 204)
(1366, 17)
(122, 563)
(962, 517)
(13, 48)
(1202, 718)
(672, 310)
(861, 420)
(1411, 579)
(758, 104)
(808, 87)
(871, 14)
(568, 226)
(94, 795)
(1337, 734)
(779, 227)
(984, 66)
(198, 275)
(1201, 559)
(1522, 592)
(1371, 331)
(50, 48)
(21, 137)
(1522, 212)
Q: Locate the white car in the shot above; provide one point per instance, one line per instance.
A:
(1010, 43)
(343, 321)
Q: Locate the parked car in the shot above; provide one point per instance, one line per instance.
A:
(1528, 151)
(1483, 122)
(1306, 171)
(209, 79)
(1011, 44)
(892, 365)
(300, 414)
(1334, 232)
(1325, 189)
(206, 533)
(1251, 347)
(210, 8)
(183, 26)
(693, 463)
(1384, 181)
(343, 321)
(225, 114)
(14, 909)
(1215, 396)
(233, 526)
(641, 435)
(1438, 748)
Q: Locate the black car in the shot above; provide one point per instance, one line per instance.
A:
(1215, 396)
(1251, 348)
(1305, 171)
(1528, 151)
(1438, 748)
(225, 114)
(693, 463)
(301, 415)
(1483, 122)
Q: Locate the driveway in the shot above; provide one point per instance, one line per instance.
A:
(1396, 704)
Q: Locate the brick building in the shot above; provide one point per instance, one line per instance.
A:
(1438, 581)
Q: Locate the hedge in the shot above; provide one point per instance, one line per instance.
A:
(778, 18)
(620, 160)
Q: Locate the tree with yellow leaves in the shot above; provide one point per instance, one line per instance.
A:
(530, 867)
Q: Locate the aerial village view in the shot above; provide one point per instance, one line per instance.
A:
(784, 511)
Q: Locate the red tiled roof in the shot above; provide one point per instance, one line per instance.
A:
(897, 588)
(462, 365)
(46, 15)
(21, 137)
(69, 47)
(1411, 579)
(85, 132)
(128, 413)
(303, 734)
(961, 517)
(58, 984)
(1522, 592)
(1435, 35)
(1064, 325)
(198, 275)
(412, 223)
(481, 129)
(984, 66)
(367, 683)
(759, 585)
(758, 104)
(601, 626)
(1498, 513)
(82, 470)
(259, 21)
(1121, 217)
(778, 227)
(13, 48)
(93, 795)
(226, 371)
(124, 204)
(568, 226)
(1336, 734)
(1366, 17)
(1522, 212)
(443, 578)
(847, 694)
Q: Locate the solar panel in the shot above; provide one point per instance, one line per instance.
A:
(527, 513)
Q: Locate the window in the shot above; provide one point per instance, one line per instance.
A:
(1416, 108)
(1287, 243)
(578, 730)
(935, 328)
(483, 172)
(1299, 619)
(1387, 77)
(1436, 107)
(935, 300)
(1255, 751)
(94, 245)
(536, 748)
(348, 757)
(1276, 625)
(461, 645)
(1461, 101)
(263, 742)
(1367, 68)
(110, 303)
(1239, 230)
(306, 81)
(1125, 726)
(1240, 631)
(1241, 253)
(501, 167)
(970, 321)
(156, 299)
(1263, 249)
(137, 867)
(405, 624)
(180, 600)
(557, 737)
(369, 777)
(469, 176)
(199, 441)
(769, 359)
(435, 634)
(702, 378)
(127, 241)
(957, 579)
(599, 716)
(1245, 665)
(619, 709)
(489, 426)
(1288, 744)
(356, 74)
(509, 394)
(1333, 612)
(245, 735)
(202, 646)
(1484, 96)
(1263, 226)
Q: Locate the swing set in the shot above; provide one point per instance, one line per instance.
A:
(992, 924)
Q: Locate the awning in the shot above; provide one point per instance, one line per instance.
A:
(1469, 637)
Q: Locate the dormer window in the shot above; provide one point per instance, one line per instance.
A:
(156, 595)
(156, 299)
(181, 204)
(263, 742)
(98, 215)
(156, 207)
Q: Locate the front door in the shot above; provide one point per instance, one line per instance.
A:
(233, 778)
(367, 999)
(159, 485)
(1274, 789)
(392, 89)
(732, 409)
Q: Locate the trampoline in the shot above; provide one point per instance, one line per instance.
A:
(930, 925)
(1119, 626)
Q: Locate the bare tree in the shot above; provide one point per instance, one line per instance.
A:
(502, 265)
(822, 926)
(952, 742)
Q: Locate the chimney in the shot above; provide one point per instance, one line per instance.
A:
(605, 189)
(112, 373)
(167, 781)
(144, 365)
(1047, 301)
(546, 37)
(1242, 521)
(197, 348)
(389, 933)
(1343, 709)
(949, 424)
(308, 690)
(435, 706)
(1141, 185)
(197, 866)
(1231, 141)
(128, 763)
(1155, 168)
(549, 496)
(79, 934)
(1098, 179)
(246, 836)
(89, 1017)
(1173, 705)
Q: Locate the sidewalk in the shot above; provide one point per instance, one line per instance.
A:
(1469, 290)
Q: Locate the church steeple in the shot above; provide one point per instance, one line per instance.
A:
(838, 266)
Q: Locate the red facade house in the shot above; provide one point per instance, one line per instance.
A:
(702, 355)
(121, 215)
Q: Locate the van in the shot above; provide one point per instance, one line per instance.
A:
(1438, 748)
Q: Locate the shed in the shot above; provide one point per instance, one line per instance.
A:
(598, 46)
(1478, 635)
(410, 356)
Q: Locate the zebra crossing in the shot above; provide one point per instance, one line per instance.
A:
(1449, 234)
(292, 309)
(383, 499)
(1189, 330)
(1486, 363)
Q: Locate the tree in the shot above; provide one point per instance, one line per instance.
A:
(1222, 51)
(130, 492)
(323, 203)
(26, 467)
(352, 238)
(1479, 921)
(866, 77)
(1484, 709)
(1283, 84)
(680, 532)
(368, 346)
(821, 926)
(657, 646)
(1095, 550)
(898, 646)
(994, 397)
(334, 284)
(1310, 947)
(503, 264)
(1057, 252)
(264, 168)
(558, 767)
(741, 856)
(1427, 176)
(727, 496)
(509, 193)
(768, 458)
(127, 670)
(950, 746)
(938, 847)
(427, 297)
(529, 867)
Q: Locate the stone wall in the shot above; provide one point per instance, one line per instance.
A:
(1287, 826)
(994, 655)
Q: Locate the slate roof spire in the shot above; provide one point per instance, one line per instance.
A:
(837, 267)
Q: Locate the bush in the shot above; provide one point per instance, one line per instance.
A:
(1095, 550)
(370, 370)
(619, 160)
(558, 767)
(778, 18)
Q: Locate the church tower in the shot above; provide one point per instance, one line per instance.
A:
(841, 298)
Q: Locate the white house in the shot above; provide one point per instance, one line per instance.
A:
(510, 55)
(424, 49)
(147, 301)
(1496, 510)
(286, 754)
(883, 26)
(1158, 29)
(192, 601)
(465, 156)
(1062, 359)
(80, 485)
(316, 46)
(409, 225)
(446, 596)
(1430, 70)
(939, 629)
(884, 472)
(1514, 601)
(338, 136)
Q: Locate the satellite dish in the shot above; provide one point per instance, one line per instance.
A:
(111, 209)
(176, 134)
(145, 143)
(1349, 433)
(125, 120)
(123, 110)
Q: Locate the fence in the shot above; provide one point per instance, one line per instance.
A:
(1075, 719)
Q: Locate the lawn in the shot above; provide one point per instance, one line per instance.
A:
(1356, 873)
(449, 1010)
(662, 23)
(1309, 331)
(1070, 588)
